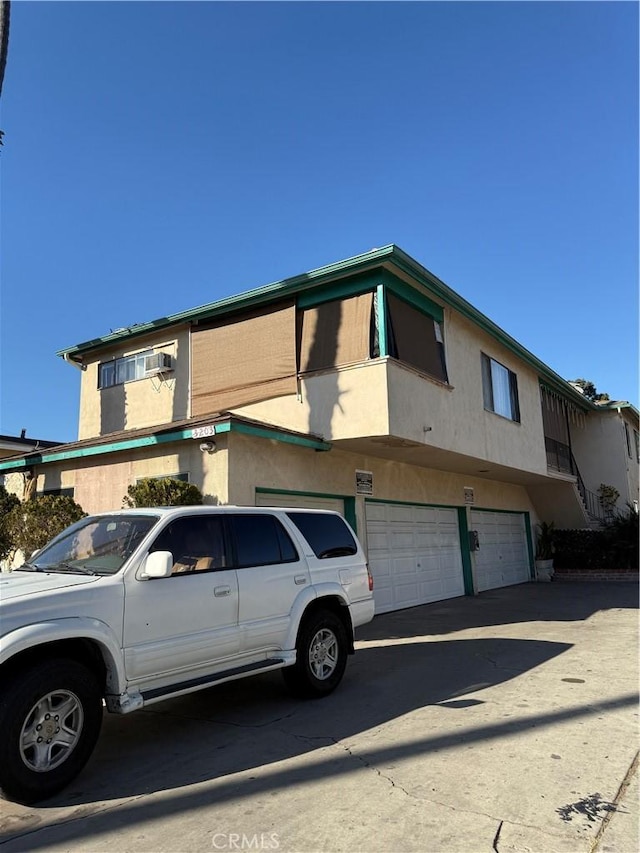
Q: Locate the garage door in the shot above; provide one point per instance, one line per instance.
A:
(301, 501)
(503, 556)
(414, 554)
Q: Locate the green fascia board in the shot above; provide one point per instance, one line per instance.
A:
(453, 299)
(260, 295)
(31, 459)
(272, 434)
(93, 450)
(370, 282)
(612, 405)
(385, 256)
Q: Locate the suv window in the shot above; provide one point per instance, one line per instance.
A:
(261, 541)
(197, 544)
(328, 535)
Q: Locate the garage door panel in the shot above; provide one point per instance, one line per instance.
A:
(417, 559)
(503, 557)
(282, 499)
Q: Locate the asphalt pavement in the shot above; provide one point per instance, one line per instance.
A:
(504, 722)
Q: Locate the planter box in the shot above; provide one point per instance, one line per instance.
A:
(628, 575)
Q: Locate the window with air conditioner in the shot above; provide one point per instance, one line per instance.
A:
(129, 368)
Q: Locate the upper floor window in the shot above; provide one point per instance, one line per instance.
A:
(500, 389)
(636, 437)
(121, 370)
(415, 338)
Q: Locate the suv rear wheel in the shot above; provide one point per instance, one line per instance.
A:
(321, 656)
(50, 718)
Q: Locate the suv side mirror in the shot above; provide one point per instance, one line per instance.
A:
(159, 564)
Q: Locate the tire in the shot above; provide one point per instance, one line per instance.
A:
(321, 656)
(50, 718)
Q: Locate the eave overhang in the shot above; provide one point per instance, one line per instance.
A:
(198, 430)
(390, 258)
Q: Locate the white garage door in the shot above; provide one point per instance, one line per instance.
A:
(301, 501)
(503, 556)
(414, 554)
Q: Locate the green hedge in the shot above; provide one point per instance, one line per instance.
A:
(615, 547)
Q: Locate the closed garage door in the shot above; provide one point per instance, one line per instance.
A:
(503, 556)
(302, 501)
(414, 554)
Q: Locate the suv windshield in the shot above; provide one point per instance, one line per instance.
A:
(95, 545)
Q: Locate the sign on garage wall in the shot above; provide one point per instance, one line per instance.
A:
(468, 495)
(364, 483)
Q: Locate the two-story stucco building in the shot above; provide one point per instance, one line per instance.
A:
(366, 386)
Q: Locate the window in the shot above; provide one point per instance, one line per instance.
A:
(261, 541)
(415, 338)
(121, 370)
(197, 544)
(627, 433)
(328, 535)
(636, 437)
(500, 389)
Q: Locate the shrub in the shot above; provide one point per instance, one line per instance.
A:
(30, 525)
(162, 492)
(7, 503)
(613, 547)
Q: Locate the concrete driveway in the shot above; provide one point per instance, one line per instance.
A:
(505, 722)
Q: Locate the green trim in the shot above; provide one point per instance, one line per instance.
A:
(348, 501)
(381, 319)
(93, 450)
(467, 569)
(532, 563)
(353, 286)
(374, 262)
(153, 440)
(412, 296)
(276, 435)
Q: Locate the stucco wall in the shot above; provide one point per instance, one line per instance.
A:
(600, 450)
(100, 483)
(344, 403)
(256, 463)
(142, 402)
(457, 418)
(384, 397)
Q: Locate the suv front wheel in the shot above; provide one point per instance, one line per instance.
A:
(321, 656)
(50, 718)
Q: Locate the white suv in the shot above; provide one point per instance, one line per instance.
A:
(139, 605)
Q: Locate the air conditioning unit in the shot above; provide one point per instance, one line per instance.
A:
(159, 362)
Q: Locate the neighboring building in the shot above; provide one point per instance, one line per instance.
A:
(11, 445)
(366, 386)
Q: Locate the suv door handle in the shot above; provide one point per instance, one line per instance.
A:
(220, 591)
(300, 579)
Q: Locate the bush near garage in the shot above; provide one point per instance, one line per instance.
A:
(7, 503)
(613, 548)
(164, 491)
(31, 524)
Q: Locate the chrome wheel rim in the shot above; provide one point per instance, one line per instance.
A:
(323, 654)
(51, 731)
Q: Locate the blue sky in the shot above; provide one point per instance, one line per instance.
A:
(159, 156)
